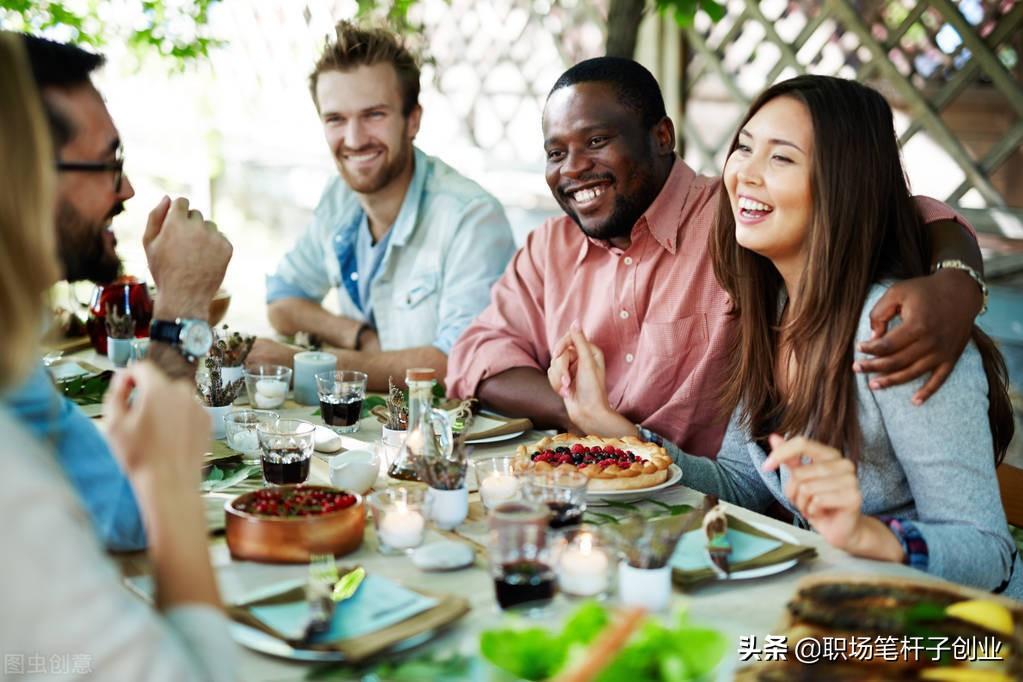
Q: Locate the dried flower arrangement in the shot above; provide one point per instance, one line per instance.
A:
(649, 543)
(231, 348)
(213, 392)
(119, 325)
(397, 407)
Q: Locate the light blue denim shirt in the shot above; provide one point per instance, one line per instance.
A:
(84, 456)
(447, 247)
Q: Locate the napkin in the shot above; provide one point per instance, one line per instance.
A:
(751, 548)
(490, 425)
(381, 614)
(377, 604)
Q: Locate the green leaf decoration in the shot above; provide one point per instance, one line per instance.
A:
(218, 479)
(348, 585)
(370, 402)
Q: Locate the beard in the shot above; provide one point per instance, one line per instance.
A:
(385, 175)
(84, 250)
(626, 212)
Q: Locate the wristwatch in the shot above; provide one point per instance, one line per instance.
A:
(192, 338)
(953, 264)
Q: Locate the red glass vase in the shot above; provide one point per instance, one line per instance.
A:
(129, 296)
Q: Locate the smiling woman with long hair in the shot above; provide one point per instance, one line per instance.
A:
(815, 222)
(63, 601)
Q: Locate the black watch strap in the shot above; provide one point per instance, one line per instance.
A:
(167, 331)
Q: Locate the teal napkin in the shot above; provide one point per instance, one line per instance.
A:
(691, 552)
(379, 603)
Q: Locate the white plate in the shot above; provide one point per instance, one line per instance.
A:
(495, 439)
(779, 567)
(674, 476)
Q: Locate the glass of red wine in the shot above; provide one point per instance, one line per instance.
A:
(564, 493)
(286, 449)
(341, 394)
(520, 556)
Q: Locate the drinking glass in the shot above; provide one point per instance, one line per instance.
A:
(267, 386)
(564, 493)
(399, 517)
(341, 394)
(240, 432)
(520, 558)
(286, 446)
(139, 350)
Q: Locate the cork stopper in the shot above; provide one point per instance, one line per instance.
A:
(420, 374)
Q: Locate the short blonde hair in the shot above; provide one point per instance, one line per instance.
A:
(28, 251)
(356, 46)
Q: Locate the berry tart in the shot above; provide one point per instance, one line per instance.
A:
(288, 523)
(610, 463)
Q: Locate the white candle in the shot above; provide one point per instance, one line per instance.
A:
(497, 489)
(272, 388)
(583, 569)
(401, 528)
(245, 441)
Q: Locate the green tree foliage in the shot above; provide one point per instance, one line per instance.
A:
(176, 30)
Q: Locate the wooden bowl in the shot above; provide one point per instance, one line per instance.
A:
(218, 306)
(293, 539)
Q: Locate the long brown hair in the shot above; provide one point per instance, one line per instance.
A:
(864, 228)
(28, 251)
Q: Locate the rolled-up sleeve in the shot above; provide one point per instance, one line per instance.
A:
(302, 273)
(479, 252)
(932, 211)
(510, 332)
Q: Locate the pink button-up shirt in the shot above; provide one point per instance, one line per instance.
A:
(655, 309)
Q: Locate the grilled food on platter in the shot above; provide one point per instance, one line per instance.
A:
(896, 629)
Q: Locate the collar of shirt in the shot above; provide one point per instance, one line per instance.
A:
(663, 218)
(408, 214)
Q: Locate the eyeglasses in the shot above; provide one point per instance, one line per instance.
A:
(117, 166)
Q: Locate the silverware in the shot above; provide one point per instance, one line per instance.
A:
(715, 526)
(318, 591)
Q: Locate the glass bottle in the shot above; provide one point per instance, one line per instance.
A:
(420, 424)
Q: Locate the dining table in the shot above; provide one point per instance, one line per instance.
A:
(738, 608)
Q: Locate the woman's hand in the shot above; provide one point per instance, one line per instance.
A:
(824, 487)
(577, 374)
(159, 432)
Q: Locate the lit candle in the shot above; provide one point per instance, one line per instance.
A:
(583, 568)
(497, 489)
(401, 528)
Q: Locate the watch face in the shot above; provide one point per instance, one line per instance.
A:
(196, 338)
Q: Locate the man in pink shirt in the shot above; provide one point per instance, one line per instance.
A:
(629, 264)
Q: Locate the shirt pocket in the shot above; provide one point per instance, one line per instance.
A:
(419, 290)
(676, 339)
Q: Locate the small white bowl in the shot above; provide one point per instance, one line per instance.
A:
(355, 471)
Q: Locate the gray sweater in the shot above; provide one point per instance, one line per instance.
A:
(932, 465)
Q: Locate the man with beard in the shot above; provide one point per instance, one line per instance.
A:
(629, 265)
(411, 246)
(187, 258)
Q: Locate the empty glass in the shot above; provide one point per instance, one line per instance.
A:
(341, 394)
(286, 448)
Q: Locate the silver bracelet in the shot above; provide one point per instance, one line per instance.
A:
(960, 265)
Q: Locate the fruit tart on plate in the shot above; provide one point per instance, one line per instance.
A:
(610, 463)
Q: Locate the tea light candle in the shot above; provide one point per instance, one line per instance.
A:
(307, 365)
(497, 489)
(583, 569)
(402, 528)
(245, 441)
(274, 389)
